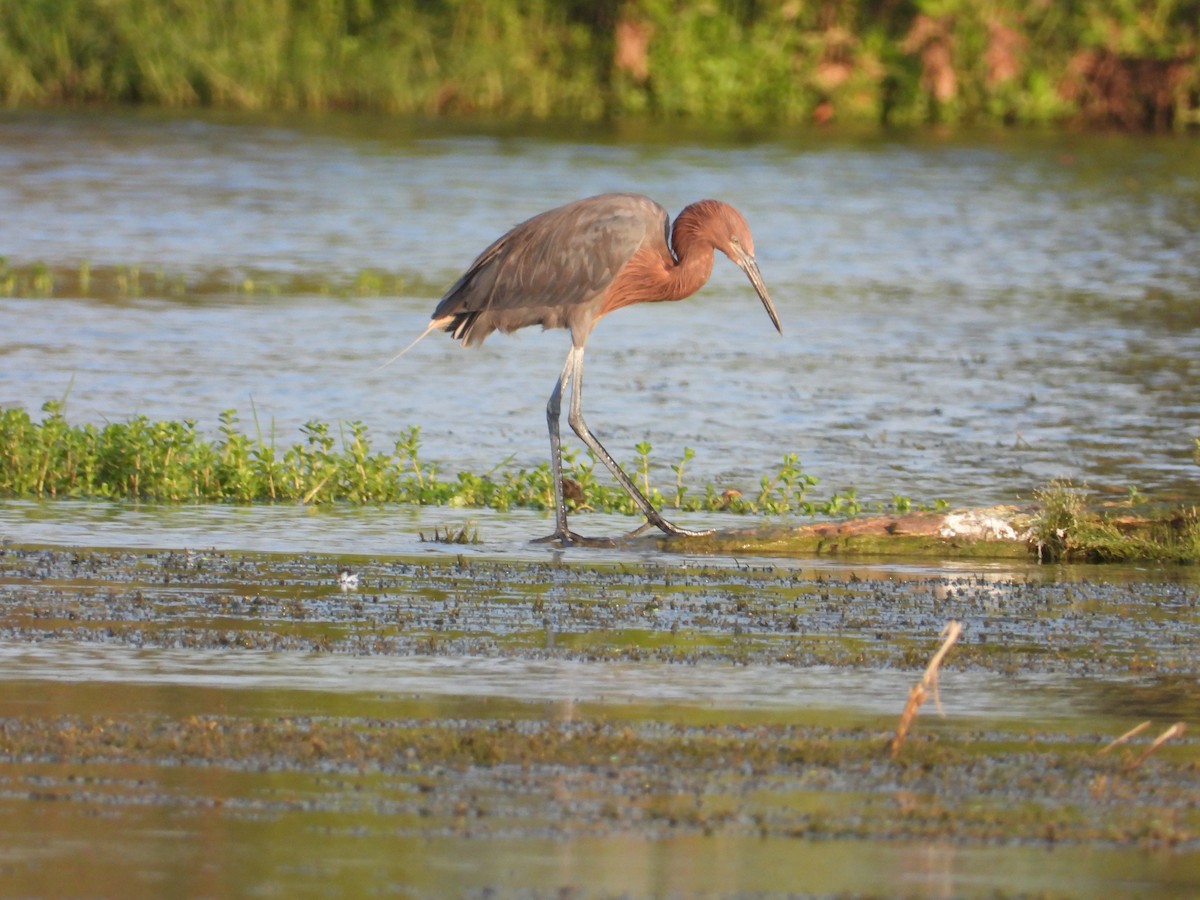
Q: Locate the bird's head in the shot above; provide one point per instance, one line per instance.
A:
(728, 232)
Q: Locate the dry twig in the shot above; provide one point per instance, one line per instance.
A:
(929, 682)
(1174, 731)
(1131, 733)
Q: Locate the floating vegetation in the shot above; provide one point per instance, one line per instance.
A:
(170, 461)
(129, 280)
(465, 534)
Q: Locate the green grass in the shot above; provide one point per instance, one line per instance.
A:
(1068, 530)
(169, 461)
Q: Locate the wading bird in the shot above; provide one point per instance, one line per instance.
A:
(567, 267)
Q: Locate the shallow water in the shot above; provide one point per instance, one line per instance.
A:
(799, 694)
(964, 318)
(226, 722)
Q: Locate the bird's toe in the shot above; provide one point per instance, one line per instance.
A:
(571, 539)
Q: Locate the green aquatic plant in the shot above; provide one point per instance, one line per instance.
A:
(1067, 529)
(680, 488)
(167, 461)
(464, 534)
(1061, 521)
(119, 281)
(642, 449)
(789, 485)
(173, 462)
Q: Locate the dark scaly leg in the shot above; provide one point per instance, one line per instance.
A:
(573, 371)
(562, 534)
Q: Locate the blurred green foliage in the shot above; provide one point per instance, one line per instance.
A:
(764, 62)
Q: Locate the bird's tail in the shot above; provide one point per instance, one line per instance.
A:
(434, 325)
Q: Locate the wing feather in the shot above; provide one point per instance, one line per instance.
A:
(546, 270)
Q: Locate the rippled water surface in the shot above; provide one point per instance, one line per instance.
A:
(963, 318)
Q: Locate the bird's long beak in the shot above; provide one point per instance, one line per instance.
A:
(747, 264)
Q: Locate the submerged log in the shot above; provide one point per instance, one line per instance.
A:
(998, 532)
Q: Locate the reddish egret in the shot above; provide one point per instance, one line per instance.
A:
(568, 267)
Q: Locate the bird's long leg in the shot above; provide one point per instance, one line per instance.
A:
(573, 372)
(553, 410)
(562, 534)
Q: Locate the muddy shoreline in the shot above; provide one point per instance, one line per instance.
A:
(461, 699)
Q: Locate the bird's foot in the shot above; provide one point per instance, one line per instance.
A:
(564, 537)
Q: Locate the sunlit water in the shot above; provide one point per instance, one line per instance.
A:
(963, 318)
(795, 691)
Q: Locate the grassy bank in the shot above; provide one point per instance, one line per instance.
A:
(1133, 66)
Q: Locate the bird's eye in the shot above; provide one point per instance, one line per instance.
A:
(734, 240)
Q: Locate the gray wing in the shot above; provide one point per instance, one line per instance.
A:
(551, 265)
